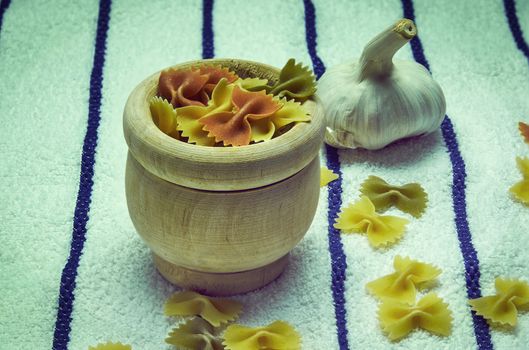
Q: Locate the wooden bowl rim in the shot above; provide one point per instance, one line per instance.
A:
(139, 128)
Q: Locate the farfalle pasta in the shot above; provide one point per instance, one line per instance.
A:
(398, 319)
(183, 87)
(361, 217)
(402, 285)
(520, 190)
(195, 334)
(234, 127)
(524, 131)
(326, 176)
(290, 112)
(410, 198)
(164, 116)
(511, 296)
(110, 346)
(215, 311)
(252, 84)
(215, 73)
(295, 82)
(188, 117)
(206, 112)
(278, 335)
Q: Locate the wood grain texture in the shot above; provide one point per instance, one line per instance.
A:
(212, 231)
(219, 168)
(220, 284)
(220, 220)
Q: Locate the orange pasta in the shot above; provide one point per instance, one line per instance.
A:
(183, 87)
(234, 128)
(524, 131)
(215, 73)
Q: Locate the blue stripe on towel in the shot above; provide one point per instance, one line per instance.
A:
(516, 30)
(61, 336)
(338, 258)
(470, 256)
(3, 8)
(208, 47)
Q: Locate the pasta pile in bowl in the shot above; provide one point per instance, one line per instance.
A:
(218, 151)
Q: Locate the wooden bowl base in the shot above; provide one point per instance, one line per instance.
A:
(220, 284)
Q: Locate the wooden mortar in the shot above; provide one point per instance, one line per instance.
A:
(220, 220)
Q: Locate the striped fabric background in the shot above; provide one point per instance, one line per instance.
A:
(74, 272)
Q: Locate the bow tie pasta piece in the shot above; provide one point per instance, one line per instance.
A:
(327, 176)
(511, 296)
(252, 84)
(291, 112)
(278, 335)
(403, 283)
(110, 346)
(262, 130)
(215, 73)
(524, 131)
(164, 116)
(520, 190)
(183, 87)
(195, 334)
(295, 82)
(410, 198)
(215, 311)
(188, 117)
(431, 313)
(361, 217)
(234, 128)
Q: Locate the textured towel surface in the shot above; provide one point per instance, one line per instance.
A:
(104, 286)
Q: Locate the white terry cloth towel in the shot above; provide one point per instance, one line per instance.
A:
(46, 51)
(46, 58)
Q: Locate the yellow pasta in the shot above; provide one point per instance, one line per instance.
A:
(402, 285)
(252, 84)
(164, 116)
(110, 346)
(215, 311)
(261, 129)
(430, 313)
(520, 190)
(361, 217)
(410, 198)
(278, 335)
(511, 296)
(291, 112)
(187, 117)
(195, 334)
(327, 176)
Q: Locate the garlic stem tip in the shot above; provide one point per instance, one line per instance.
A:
(406, 28)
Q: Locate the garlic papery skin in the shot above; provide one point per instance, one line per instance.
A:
(376, 100)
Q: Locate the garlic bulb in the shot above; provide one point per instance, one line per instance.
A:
(374, 101)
